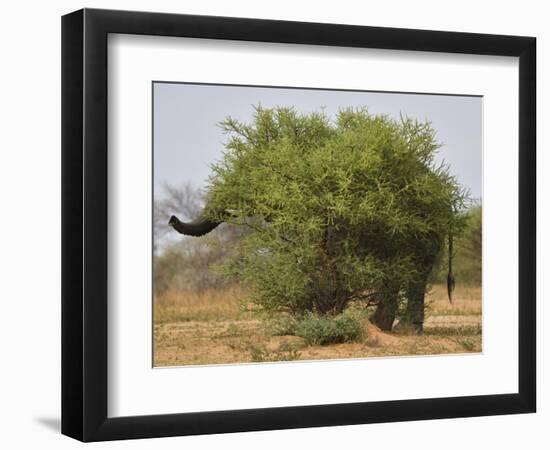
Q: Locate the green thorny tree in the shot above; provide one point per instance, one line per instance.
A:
(343, 210)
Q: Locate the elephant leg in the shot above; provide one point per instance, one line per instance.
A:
(385, 313)
(414, 314)
(416, 292)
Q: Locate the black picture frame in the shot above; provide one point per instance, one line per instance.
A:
(84, 224)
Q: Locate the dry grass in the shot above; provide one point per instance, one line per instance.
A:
(208, 305)
(466, 301)
(212, 328)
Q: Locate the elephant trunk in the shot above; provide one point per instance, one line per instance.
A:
(198, 227)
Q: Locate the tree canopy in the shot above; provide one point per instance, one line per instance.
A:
(340, 209)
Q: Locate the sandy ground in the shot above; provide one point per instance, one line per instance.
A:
(448, 329)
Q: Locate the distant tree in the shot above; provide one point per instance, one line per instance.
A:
(467, 259)
(471, 250)
(184, 199)
(186, 266)
(182, 264)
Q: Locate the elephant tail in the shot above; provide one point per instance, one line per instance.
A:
(450, 276)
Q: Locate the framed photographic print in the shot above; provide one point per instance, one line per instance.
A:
(273, 224)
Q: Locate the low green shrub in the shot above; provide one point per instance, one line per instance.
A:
(323, 330)
(282, 325)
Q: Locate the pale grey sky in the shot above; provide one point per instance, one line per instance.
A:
(187, 138)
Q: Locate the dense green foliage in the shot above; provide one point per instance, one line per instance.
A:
(339, 210)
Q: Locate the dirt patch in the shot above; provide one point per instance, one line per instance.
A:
(201, 331)
(376, 336)
(229, 342)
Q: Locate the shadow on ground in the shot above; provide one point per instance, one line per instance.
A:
(52, 423)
